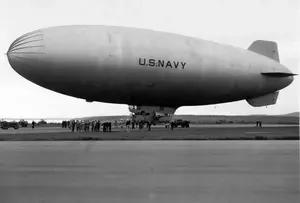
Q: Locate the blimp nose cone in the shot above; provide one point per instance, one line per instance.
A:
(25, 52)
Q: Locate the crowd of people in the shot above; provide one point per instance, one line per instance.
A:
(131, 125)
(87, 126)
(106, 126)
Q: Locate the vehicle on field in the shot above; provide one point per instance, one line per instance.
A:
(179, 122)
(42, 122)
(23, 123)
(5, 125)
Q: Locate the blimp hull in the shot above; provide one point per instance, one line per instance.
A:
(141, 67)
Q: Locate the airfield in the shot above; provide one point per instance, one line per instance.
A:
(204, 163)
(149, 171)
(195, 132)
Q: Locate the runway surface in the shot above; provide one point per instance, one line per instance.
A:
(143, 171)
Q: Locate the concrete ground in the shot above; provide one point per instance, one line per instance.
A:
(156, 171)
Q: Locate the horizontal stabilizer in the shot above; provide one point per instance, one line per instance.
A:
(265, 48)
(278, 74)
(268, 99)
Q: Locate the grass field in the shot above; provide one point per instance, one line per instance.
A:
(196, 132)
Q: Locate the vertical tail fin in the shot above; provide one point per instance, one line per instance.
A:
(266, 48)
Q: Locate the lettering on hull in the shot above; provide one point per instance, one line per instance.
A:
(162, 63)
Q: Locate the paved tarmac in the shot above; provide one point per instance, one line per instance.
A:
(144, 171)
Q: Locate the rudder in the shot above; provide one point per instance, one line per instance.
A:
(265, 48)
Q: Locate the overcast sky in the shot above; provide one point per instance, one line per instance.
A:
(234, 22)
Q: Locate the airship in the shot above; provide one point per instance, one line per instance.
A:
(153, 72)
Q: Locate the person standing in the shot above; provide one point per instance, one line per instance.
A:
(104, 126)
(99, 125)
(77, 126)
(93, 126)
(96, 126)
(73, 125)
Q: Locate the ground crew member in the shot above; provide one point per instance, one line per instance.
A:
(96, 126)
(141, 125)
(86, 126)
(99, 125)
(81, 126)
(73, 125)
(32, 124)
(104, 126)
(107, 126)
(93, 126)
(127, 125)
(77, 125)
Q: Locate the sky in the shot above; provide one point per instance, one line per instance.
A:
(234, 22)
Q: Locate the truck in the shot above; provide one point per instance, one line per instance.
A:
(179, 122)
(5, 125)
(23, 123)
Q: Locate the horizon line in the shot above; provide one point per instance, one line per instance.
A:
(66, 118)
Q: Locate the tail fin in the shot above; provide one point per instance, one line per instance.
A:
(266, 48)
